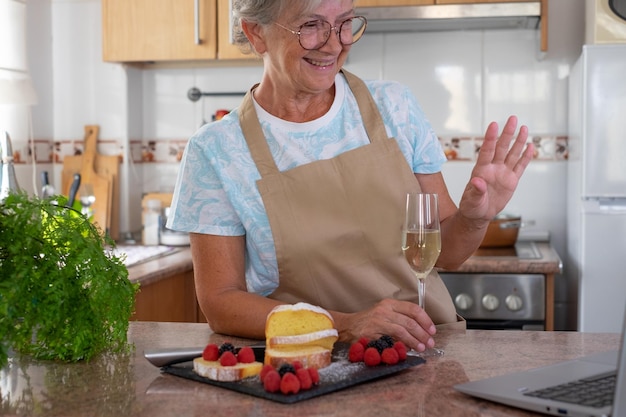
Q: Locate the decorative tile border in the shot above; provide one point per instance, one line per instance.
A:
(456, 148)
(547, 148)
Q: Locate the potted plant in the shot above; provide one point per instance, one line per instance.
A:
(63, 294)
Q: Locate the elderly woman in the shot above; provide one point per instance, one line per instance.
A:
(298, 195)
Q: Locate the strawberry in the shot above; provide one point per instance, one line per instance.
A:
(289, 384)
(315, 375)
(355, 354)
(364, 341)
(271, 381)
(265, 370)
(228, 359)
(210, 352)
(245, 355)
(305, 378)
(390, 356)
(401, 349)
(371, 357)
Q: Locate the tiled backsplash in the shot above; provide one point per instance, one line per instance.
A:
(547, 148)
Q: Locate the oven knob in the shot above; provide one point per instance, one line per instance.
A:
(463, 301)
(514, 302)
(490, 302)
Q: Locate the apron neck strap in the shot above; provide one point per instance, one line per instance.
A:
(372, 120)
(254, 136)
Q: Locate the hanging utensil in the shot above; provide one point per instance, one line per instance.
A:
(73, 190)
(47, 190)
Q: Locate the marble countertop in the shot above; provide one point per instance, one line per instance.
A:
(179, 260)
(128, 385)
(482, 262)
(150, 271)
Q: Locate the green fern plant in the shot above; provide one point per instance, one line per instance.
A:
(63, 295)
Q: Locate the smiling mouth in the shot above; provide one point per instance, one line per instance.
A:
(320, 63)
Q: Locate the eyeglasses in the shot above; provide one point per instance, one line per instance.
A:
(314, 34)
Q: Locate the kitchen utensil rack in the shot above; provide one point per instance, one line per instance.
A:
(194, 94)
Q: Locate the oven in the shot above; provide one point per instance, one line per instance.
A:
(500, 301)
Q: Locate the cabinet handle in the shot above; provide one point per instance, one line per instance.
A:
(231, 39)
(196, 25)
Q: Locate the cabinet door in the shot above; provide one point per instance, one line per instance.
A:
(158, 30)
(376, 3)
(225, 48)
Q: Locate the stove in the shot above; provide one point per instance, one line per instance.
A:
(500, 300)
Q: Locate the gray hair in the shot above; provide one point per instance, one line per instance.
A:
(263, 13)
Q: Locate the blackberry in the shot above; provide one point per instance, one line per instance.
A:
(226, 347)
(377, 344)
(286, 368)
(387, 340)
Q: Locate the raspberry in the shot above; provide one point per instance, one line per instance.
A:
(271, 382)
(228, 359)
(265, 370)
(289, 383)
(305, 378)
(245, 355)
(210, 352)
(315, 375)
(390, 356)
(364, 341)
(297, 365)
(355, 354)
(400, 347)
(371, 357)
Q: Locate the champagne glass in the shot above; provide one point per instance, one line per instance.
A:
(421, 242)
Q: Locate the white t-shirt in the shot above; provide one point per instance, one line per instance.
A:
(216, 189)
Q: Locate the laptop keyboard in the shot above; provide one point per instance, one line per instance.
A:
(593, 392)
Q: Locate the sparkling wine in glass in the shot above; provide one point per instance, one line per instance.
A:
(421, 242)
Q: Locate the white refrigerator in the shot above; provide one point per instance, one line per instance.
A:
(596, 213)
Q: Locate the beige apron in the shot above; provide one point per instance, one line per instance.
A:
(337, 223)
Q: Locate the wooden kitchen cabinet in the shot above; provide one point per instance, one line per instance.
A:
(170, 299)
(157, 30)
(167, 30)
(166, 289)
(225, 48)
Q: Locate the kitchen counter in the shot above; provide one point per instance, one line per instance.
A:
(495, 260)
(168, 293)
(160, 267)
(128, 385)
(167, 290)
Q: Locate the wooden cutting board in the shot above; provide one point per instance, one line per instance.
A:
(102, 172)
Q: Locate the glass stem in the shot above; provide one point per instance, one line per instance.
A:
(421, 291)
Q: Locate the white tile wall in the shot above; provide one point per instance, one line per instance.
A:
(13, 30)
(463, 80)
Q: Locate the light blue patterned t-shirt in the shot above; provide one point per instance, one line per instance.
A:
(216, 189)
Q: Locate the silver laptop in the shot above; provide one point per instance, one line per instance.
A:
(544, 389)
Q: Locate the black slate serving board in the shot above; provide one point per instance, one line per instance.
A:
(339, 375)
